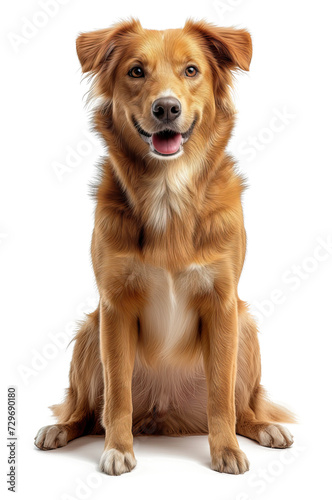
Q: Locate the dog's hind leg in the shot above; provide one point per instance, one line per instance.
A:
(57, 436)
(265, 433)
(80, 412)
(255, 414)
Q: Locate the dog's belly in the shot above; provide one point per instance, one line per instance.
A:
(169, 386)
(168, 325)
(169, 400)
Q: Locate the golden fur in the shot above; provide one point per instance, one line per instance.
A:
(171, 348)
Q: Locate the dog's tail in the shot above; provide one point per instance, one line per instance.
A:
(266, 410)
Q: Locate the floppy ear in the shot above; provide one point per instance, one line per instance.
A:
(231, 47)
(94, 48)
(227, 49)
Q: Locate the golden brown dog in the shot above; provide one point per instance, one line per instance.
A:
(171, 348)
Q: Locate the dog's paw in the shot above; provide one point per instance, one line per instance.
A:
(231, 461)
(51, 437)
(275, 436)
(114, 463)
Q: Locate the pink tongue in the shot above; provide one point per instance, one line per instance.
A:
(166, 146)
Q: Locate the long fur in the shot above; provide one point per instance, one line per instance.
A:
(171, 348)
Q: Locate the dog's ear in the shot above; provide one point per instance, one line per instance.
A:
(231, 47)
(95, 47)
(226, 49)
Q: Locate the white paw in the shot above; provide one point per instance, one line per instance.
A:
(275, 436)
(114, 463)
(231, 461)
(50, 437)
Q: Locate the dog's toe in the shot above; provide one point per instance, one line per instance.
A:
(231, 461)
(275, 436)
(114, 463)
(51, 437)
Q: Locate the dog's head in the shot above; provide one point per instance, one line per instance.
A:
(162, 88)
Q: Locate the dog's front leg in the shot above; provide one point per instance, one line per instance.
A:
(118, 340)
(219, 344)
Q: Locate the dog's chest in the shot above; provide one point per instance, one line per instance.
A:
(166, 195)
(169, 323)
(167, 320)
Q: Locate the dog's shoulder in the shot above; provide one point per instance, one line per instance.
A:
(224, 189)
(108, 191)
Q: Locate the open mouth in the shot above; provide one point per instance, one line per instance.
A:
(166, 142)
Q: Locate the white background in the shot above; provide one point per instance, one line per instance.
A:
(46, 224)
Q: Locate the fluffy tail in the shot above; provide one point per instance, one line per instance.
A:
(266, 410)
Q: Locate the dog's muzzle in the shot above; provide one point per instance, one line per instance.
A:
(167, 142)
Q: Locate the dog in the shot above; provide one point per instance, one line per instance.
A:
(171, 349)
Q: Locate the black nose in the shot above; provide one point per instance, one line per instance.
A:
(166, 109)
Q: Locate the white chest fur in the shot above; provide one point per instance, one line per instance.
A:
(167, 318)
(169, 323)
(167, 194)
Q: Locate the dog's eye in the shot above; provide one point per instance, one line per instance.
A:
(136, 72)
(191, 71)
